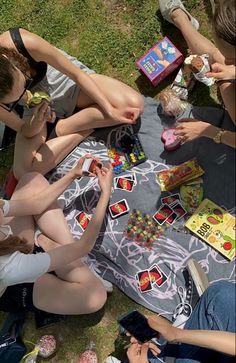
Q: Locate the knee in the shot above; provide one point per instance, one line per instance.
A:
(97, 299)
(223, 292)
(137, 101)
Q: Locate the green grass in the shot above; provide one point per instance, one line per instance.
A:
(108, 36)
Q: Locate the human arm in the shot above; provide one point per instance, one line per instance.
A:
(225, 75)
(37, 203)
(41, 50)
(220, 341)
(190, 129)
(28, 126)
(68, 253)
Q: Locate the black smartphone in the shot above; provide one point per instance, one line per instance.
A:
(136, 324)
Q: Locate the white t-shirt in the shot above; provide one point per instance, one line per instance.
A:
(19, 267)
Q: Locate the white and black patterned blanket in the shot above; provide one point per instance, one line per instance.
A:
(118, 259)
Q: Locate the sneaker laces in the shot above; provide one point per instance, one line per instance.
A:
(183, 305)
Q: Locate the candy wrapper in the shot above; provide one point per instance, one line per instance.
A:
(199, 65)
(89, 355)
(192, 194)
(171, 178)
(172, 105)
(184, 82)
(46, 346)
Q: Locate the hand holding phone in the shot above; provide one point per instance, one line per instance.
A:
(137, 325)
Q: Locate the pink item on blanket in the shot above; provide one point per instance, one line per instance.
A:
(170, 141)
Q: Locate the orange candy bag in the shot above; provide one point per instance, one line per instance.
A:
(171, 178)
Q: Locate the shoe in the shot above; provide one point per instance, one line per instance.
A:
(107, 284)
(188, 299)
(112, 359)
(168, 6)
(198, 275)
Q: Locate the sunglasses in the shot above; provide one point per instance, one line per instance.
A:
(11, 106)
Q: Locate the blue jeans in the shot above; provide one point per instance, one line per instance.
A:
(214, 311)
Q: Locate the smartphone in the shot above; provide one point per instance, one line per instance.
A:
(137, 325)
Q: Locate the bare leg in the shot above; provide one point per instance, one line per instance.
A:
(91, 116)
(37, 154)
(196, 42)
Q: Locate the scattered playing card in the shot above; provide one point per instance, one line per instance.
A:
(83, 220)
(162, 214)
(172, 218)
(179, 210)
(144, 282)
(171, 199)
(155, 274)
(124, 184)
(119, 208)
(130, 177)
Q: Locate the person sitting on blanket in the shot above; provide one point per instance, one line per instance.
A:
(26, 279)
(208, 335)
(222, 61)
(28, 62)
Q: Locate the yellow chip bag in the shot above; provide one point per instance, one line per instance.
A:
(171, 178)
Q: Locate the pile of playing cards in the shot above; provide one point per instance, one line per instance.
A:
(170, 211)
(150, 278)
(125, 182)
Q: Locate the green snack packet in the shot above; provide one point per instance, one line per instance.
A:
(192, 194)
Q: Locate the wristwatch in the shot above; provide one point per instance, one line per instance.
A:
(218, 136)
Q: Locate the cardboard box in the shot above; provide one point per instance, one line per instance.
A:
(162, 59)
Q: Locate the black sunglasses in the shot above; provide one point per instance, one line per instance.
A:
(10, 107)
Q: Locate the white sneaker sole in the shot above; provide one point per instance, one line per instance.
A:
(198, 275)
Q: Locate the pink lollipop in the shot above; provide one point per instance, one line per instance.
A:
(170, 141)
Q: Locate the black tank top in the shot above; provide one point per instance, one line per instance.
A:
(40, 68)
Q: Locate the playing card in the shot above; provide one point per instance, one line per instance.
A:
(144, 282)
(119, 208)
(172, 218)
(162, 214)
(179, 210)
(130, 177)
(171, 199)
(157, 272)
(83, 220)
(124, 184)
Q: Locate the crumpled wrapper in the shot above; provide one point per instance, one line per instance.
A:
(171, 104)
(199, 64)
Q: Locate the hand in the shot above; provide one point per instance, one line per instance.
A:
(50, 115)
(164, 327)
(127, 115)
(41, 113)
(138, 353)
(105, 178)
(190, 129)
(222, 71)
(78, 168)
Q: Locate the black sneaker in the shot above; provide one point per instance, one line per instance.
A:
(195, 283)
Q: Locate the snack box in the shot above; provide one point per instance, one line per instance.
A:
(162, 59)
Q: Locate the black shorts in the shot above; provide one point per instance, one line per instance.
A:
(18, 298)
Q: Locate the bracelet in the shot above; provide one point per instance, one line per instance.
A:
(218, 136)
(5, 207)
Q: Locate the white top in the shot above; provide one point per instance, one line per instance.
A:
(19, 267)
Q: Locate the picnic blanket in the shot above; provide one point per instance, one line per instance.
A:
(118, 259)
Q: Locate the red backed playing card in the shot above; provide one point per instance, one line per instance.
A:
(83, 220)
(124, 184)
(119, 208)
(144, 282)
(162, 214)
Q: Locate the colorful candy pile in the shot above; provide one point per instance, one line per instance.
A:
(142, 229)
(120, 162)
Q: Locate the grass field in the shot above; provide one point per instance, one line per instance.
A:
(108, 36)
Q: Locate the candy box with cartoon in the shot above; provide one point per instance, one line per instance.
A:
(160, 61)
(215, 226)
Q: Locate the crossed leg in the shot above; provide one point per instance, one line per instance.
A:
(75, 289)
